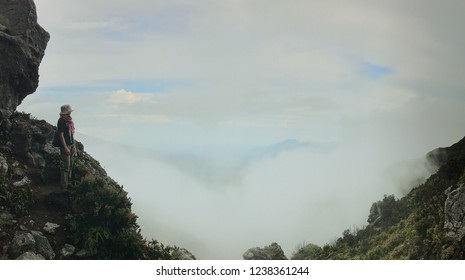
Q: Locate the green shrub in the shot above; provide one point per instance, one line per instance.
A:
(17, 199)
(307, 252)
(102, 222)
(392, 211)
(80, 170)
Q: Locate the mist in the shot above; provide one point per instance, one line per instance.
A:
(304, 194)
(218, 190)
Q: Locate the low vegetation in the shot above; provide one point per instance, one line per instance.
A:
(17, 199)
(407, 228)
(101, 221)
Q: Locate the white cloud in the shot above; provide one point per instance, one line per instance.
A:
(292, 67)
(111, 24)
(248, 50)
(126, 97)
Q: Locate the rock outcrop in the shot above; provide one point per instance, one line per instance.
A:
(454, 209)
(30, 245)
(22, 47)
(271, 252)
(182, 254)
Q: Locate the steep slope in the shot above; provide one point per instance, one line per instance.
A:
(428, 223)
(93, 220)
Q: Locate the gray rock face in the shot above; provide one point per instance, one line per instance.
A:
(30, 256)
(43, 247)
(68, 250)
(182, 254)
(376, 213)
(272, 252)
(25, 181)
(22, 47)
(30, 245)
(51, 228)
(21, 243)
(454, 210)
(30, 139)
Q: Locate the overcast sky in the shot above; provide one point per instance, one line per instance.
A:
(201, 84)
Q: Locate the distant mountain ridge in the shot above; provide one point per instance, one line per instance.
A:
(283, 146)
(213, 166)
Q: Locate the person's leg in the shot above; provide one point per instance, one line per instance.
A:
(65, 159)
(72, 150)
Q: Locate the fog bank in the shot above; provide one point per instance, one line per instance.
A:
(297, 195)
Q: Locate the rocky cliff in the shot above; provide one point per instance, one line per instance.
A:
(22, 47)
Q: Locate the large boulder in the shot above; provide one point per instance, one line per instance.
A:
(43, 246)
(272, 252)
(22, 47)
(21, 243)
(33, 242)
(182, 254)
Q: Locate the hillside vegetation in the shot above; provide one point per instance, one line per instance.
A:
(412, 227)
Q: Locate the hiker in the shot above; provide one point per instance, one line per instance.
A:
(65, 129)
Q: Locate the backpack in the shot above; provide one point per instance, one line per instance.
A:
(56, 140)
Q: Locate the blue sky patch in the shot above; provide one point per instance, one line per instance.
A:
(374, 71)
(139, 86)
